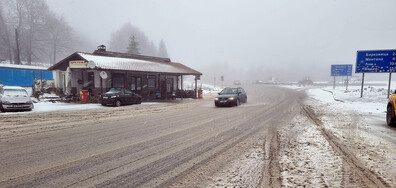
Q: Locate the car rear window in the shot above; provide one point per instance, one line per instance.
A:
(15, 92)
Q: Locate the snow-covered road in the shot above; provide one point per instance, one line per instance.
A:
(331, 138)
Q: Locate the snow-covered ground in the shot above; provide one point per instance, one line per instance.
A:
(44, 106)
(356, 133)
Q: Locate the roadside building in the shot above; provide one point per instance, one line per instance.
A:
(23, 75)
(97, 72)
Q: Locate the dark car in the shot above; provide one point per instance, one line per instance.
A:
(231, 97)
(120, 96)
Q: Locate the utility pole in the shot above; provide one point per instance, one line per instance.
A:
(214, 82)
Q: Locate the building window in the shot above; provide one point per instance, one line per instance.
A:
(136, 83)
(118, 81)
(151, 81)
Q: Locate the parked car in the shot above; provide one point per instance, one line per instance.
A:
(15, 98)
(231, 97)
(120, 96)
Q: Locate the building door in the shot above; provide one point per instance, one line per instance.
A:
(91, 80)
(136, 84)
(169, 85)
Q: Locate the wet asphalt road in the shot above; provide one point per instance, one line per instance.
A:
(147, 150)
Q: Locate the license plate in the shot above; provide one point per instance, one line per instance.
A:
(223, 101)
(17, 106)
(105, 97)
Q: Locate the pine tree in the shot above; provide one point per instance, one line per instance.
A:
(162, 52)
(133, 47)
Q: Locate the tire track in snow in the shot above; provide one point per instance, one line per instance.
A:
(353, 166)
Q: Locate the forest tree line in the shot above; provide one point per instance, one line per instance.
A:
(31, 32)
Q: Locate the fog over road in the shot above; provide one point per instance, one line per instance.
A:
(178, 144)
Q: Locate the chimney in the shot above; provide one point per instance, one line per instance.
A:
(101, 48)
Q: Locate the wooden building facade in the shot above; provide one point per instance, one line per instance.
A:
(97, 72)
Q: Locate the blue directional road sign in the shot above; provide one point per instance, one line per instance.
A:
(376, 61)
(341, 70)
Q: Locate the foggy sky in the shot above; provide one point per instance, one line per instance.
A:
(245, 40)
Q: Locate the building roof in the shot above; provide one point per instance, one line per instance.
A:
(28, 67)
(120, 61)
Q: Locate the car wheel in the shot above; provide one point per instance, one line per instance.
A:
(118, 103)
(1, 108)
(237, 102)
(390, 116)
(139, 101)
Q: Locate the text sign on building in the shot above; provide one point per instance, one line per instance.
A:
(341, 70)
(78, 64)
(376, 61)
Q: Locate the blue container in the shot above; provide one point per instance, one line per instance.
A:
(22, 77)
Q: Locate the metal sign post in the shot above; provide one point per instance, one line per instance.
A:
(222, 81)
(361, 92)
(347, 84)
(389, 84)
(214, 83)
(334, 84)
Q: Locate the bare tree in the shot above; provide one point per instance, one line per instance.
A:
(60, 36)
(40, 34)
(36, 15)
(13, 15)
(6, 48)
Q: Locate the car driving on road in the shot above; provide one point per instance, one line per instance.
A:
(231, 97)
(15, 98)
(120, 96)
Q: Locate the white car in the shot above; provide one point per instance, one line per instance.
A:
(14, 98)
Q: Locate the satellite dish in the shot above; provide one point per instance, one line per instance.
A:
(103, 74)
(91, 64)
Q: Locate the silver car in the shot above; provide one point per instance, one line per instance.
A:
(13, 98)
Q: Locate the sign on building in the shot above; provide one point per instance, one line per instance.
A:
(78, 64)
(341, 70)
(376, 61)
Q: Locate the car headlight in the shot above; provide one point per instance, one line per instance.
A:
(231, 98)
(6, 102)
(216, 99)
(114, 96)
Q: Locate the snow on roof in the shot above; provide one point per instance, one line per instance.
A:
(13, 87)
(15, 66)
(121, 63)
